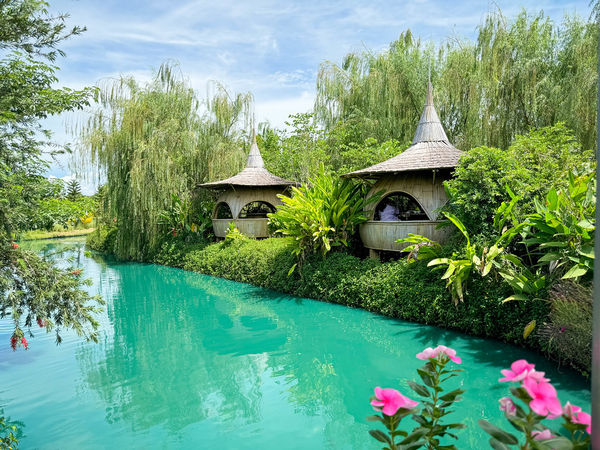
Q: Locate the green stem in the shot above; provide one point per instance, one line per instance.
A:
(435, 401)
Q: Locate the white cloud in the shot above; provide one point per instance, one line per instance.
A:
(268, 47)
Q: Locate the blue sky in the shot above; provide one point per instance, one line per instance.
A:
(271, 48)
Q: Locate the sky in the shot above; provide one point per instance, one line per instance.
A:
(271, 48)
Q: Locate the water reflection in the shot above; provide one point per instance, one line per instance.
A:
(189, 360)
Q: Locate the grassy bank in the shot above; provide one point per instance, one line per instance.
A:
(42, 234)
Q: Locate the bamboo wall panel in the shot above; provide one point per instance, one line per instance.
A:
(381, 235)
(255, 228)
(429, 193)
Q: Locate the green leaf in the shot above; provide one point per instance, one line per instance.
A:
(528, 329)
(417, 434)
(380, 436)
(558, 443)
(519, 297)
(554, 244)
(497, 433)
(552, 199)
(575, 271)
(451, 396)
(587, 251)
(374, 418)
(497, 445)
(550, 257)
(456, 221)
(437, 261)
(426, 377)
(419, 389)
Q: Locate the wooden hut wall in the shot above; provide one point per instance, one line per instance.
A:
(237, 198)
(427, 190)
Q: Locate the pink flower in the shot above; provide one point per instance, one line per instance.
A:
(578, 416)
(542, 435)
(570, 410)
(41, 323)
(14, 245)
(426, 354)
(24, 342)
(13, 343)
(507, 405)
(389, 401)
(449, 352)
(585, 419)
(544, 400)
(434, 352)
(520, 370)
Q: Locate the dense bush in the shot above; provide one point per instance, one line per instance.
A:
(62, 212)
(568, 333)
(102, 240)
(408, 291)
(530, 167)
(172, 252)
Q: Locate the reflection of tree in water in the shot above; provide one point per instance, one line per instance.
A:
(163, 366)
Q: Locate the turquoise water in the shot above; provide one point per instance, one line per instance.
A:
(191, 361)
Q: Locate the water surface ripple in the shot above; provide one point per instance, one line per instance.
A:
(191, 361)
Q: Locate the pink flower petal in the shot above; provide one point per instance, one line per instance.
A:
(542, 435)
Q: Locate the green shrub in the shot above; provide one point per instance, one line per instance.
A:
(567, 337)
(172, 252)
(102, 240)
(530, 167)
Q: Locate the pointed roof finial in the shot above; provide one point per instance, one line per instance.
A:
(254, 175)
(254, 158)
(430, 128)
(429, 73)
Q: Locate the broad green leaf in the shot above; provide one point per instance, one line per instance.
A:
(515, 297)
(528, 329)
(558, 443)
(374, 418)
(575, 271)
(497, 433)
(380, 436)
(419, 389)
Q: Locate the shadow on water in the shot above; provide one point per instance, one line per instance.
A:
(490, 353)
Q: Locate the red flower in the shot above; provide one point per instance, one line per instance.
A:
(41, 323)
(76, 272)
(15, 245)
(24, 342)
(174, 233)
(13, 343)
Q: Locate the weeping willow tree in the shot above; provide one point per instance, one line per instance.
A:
(518, 74)
(149, 141)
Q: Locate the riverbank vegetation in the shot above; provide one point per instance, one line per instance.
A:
(519, 265)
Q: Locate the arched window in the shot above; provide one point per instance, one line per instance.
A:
(399, 206)
(256, 210)
(223, 211)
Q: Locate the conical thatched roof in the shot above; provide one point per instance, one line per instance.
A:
(430, 148)
(254, 175)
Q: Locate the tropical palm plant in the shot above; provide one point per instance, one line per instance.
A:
(322, 214)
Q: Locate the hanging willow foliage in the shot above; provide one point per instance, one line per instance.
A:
(150, 141)
(518, 74)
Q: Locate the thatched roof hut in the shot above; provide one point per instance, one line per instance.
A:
(412, 183)
(247, 197)
(430, 149)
